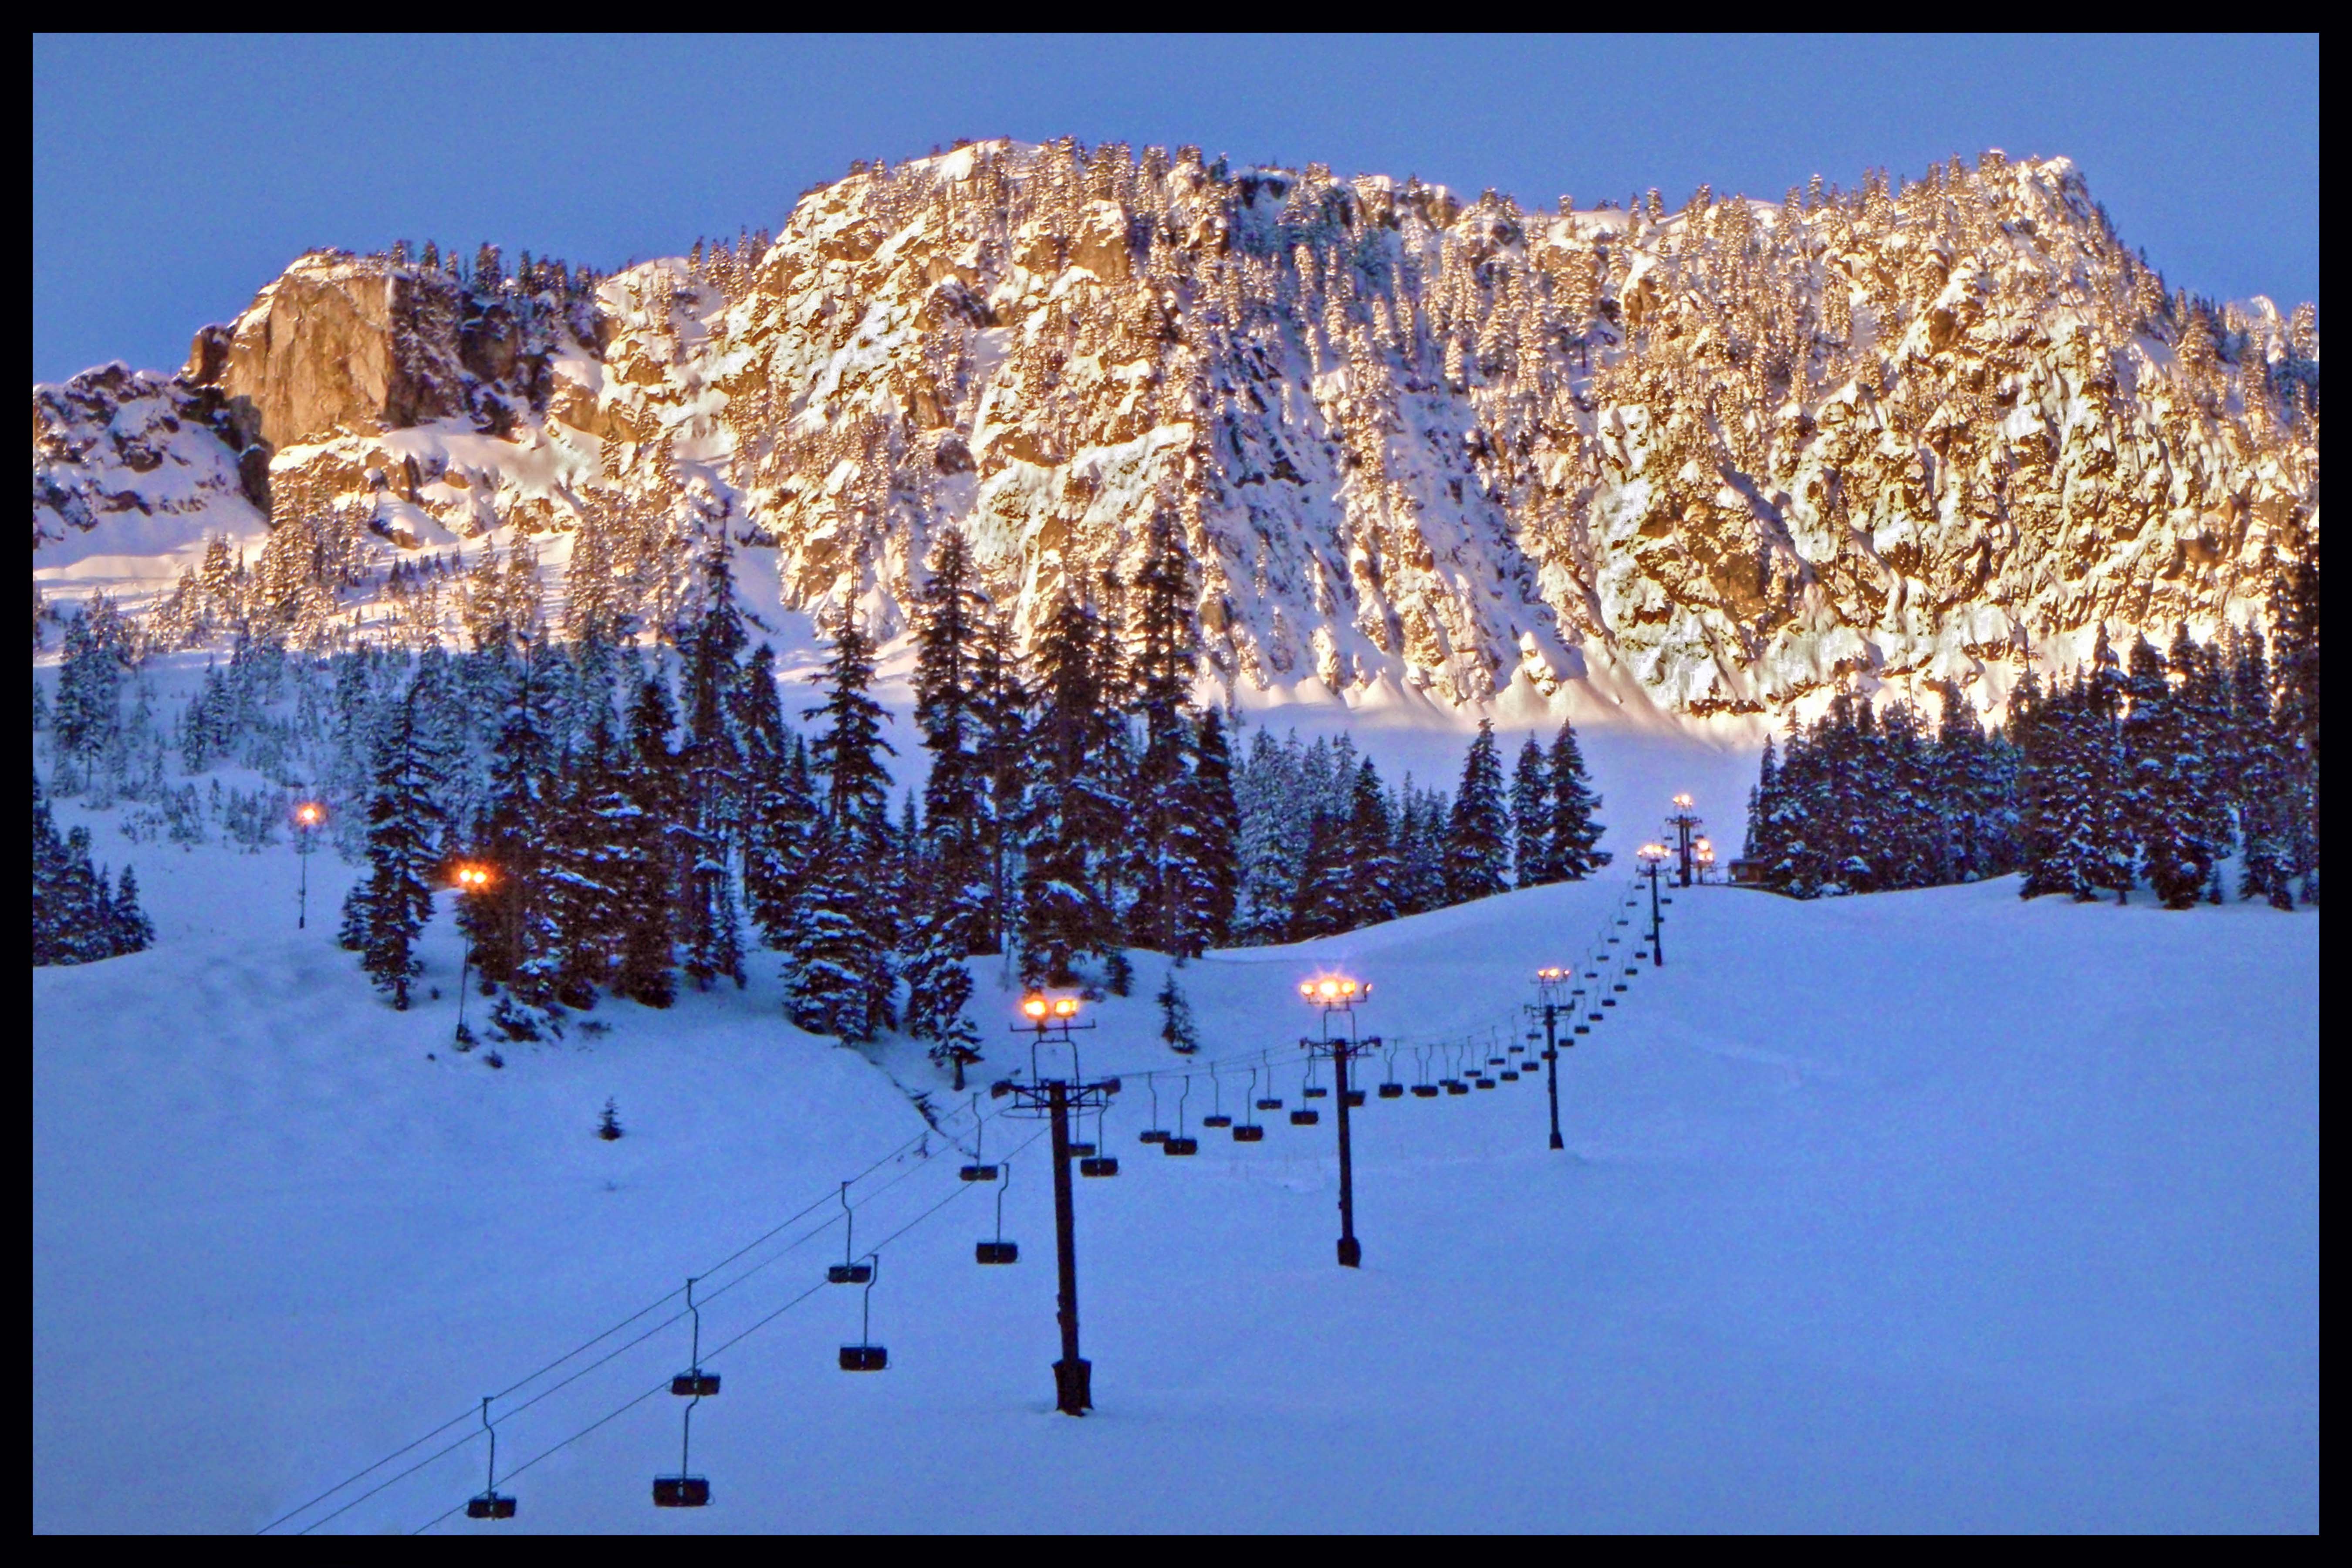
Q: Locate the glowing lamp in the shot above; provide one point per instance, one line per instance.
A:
(1034, 1007)
(1684, 801)
(308, 814)
(1306, 988)
(1065, 1007)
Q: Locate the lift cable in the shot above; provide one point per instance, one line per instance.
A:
(953, 1193)
(587, 1344)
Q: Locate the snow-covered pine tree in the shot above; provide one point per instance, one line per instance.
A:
(1530, 816)
(2295, 618)
(2266, 829)
(710, 770)
(639, 831)
(1369, 845)
(837, 977)
(778, 808)
(404, 822)
(1176, 1025)
(128, 929)
(1573, 836)
(938, 986)
(950, 618)
(1265, 793)
(838, 965)
(1001, 757)
(1164, 844)
(1076, 818)
(1319, 907)
(1477, 844)
(1211, 894)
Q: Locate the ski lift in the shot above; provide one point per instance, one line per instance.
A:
(1390, 1088)
(1306, 1115)
(866, 1355)
(1216, 1117)
(1152, 1134)
(1269, 1101)
(1422, 1087)
(1632, 968)
(848, 1271)
(1611, 1001)
(1250, 1131)
(1310, 1089)
(1000, 1250)
(1582, 1029)
(492, 1503)
(695, 1382)
(977, 1170)
(1508, 1074)
(1092, 1163)
(684, 1489)
(1181, 1145)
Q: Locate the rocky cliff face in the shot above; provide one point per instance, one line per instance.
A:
(1731, 452)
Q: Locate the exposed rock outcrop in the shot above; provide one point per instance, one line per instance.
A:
(1735, 452)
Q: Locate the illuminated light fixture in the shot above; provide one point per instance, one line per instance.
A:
(1684, 801)
(1064, 1006)
(472, 878)
(1034, 1007)
(308, 812)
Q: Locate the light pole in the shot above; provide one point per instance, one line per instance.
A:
(307, 814)
(1050, 1021)
(1337, 993)
(472, 878)
(1653, 858)
(1684, 821)
(1548, 980)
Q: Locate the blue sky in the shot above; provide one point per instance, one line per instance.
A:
(173, 177)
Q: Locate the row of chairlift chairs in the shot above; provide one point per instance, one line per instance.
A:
(1462, 1072)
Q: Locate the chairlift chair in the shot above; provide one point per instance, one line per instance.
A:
(1249, 1131)
(695, 1382)
(1217, 1118)
(492, 1503)
(684, 1489)
(1182, 1143)
(848, 1271)
(866, 1355)
(1092, 1163)
(1000, 1250)
(1152, 1134)
(1269, 1101)
(979, 1170)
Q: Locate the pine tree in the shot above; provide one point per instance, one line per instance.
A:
(2265, 820)
(127, 928)
(939, 988)
(1076, 818)
(949, 711)
(1166, 830)
(1573, 836)
(710, 764)
(836, 976)
(646, 972)
(779, 806)
(1176, 1025)
(1531, 817)
(403, 822)
(1477, 847)
(1215, 872)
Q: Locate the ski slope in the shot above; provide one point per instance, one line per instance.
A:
(1923, 1211)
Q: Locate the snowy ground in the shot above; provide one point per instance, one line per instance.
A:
(1929, 1210)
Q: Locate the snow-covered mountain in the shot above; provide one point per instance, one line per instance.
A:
(1723, 455)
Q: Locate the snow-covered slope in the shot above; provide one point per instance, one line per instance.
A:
(1920, 1211)
(1718, 457)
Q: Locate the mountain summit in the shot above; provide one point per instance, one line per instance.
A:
(1729, 453)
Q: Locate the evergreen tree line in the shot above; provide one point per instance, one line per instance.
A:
(77, 915)
(1326, 849)
(1076, 804)
(2152, 769)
